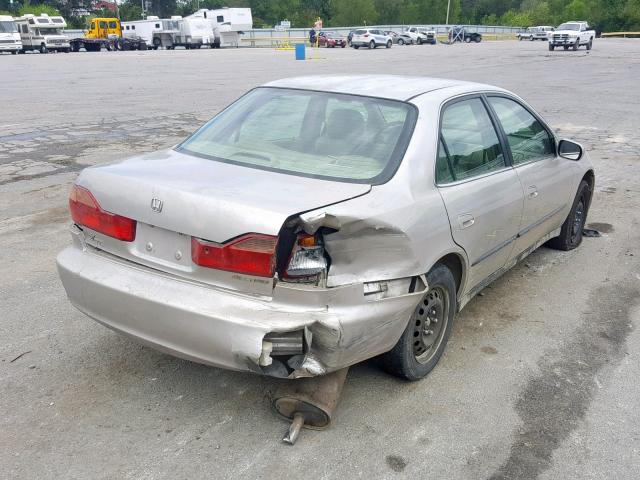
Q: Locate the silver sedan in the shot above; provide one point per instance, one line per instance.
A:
(320, 221)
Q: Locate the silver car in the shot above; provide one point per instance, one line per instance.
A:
(320, 221)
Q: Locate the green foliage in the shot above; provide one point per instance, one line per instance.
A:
(605, 15)
(37, 9)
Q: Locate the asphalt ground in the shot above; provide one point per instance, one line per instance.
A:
(540, 379)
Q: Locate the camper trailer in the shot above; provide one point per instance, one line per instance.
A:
(43, 33)
(142, 29)
(227, 23)
(188, 32)
(9, 36)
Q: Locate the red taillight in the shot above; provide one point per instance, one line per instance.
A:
(252, 254)
(86, 211)
(365, 35)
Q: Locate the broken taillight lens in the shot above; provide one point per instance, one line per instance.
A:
(307, 259)
(86, 211)
(251, 254)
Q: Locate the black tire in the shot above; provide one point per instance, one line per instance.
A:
(576, 45)
(531, 38)
(372, 44)
(590, 44)
(419, 41)
(519, 39)
(43, 48)
(356, 46)
(14, 52)
(551, 47)
(438, 305)
(571, 231)
(467, 39)
(566, 47)
(388, 44)
(477, 39)
(400, 41)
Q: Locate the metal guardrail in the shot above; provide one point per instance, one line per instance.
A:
(621, 34)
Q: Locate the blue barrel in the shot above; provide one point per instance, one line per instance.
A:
(300, 51)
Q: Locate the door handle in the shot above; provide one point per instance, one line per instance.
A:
(466, 220)
(533, 191)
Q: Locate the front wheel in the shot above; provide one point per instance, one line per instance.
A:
(531, 38)
(426, 335)
(571, 231)
(576, 45)
(43, 48)
(400, 41)
(356, 46)
(388, 44)
(551, 47)
(467, 39)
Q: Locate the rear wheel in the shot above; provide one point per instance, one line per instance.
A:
(372, 44)
(590, 44)
(531, 38)
(43, 48)
(400, 41)
(467, 39)
(419, 41)
(576, 45)
(356, 46)
(14, 52)
(571, 231)
(566, 47)
(388, 44)
(426, 335)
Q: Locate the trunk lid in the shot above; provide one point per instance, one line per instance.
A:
(174, 196)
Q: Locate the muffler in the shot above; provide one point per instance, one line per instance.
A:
(309, 402)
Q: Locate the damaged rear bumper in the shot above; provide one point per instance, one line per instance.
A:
(341, 326)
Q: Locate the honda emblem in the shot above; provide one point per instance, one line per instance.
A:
(156, 205)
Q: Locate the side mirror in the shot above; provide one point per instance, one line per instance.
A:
(570, 150)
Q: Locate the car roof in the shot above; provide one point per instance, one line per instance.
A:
(394, 87)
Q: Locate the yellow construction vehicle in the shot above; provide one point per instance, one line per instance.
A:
(106, 33)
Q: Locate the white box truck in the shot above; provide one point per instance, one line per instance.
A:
(43, 33)
(9, 35)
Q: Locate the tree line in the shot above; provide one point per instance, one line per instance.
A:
(604, 15)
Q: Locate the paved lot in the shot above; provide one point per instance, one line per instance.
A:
(541, 376)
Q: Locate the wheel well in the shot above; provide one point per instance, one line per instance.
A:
(454, 263)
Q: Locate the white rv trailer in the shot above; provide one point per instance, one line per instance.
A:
(227, 23)
(43, 33)
(189, 32)
(9, 36)
(142, 29)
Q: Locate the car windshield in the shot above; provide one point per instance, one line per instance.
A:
(52, 31)
(569, 26)
(8, 27)
(315, 134)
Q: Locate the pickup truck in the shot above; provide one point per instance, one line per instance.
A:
(572, 35)
(536, 33)
(420, 35)
(461, 34)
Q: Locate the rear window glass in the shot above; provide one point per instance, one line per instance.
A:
(360, 32)
(316, 134)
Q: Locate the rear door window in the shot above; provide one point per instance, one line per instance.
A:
(470, 142)
(527, 138)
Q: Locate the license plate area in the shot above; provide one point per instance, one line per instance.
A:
(164, 247)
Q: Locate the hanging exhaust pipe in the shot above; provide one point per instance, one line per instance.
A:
(309, 402)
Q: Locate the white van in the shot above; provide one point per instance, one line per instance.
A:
(9, 36)
(43, 33)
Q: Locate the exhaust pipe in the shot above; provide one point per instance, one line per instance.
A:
(309, 402)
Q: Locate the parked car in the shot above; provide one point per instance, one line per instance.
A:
(536, 33)
(572, 35)
(429, 36)
(331, 40)
(394, 36)
(258, 244)
(371, 38)
(404, 39)
(462, 34)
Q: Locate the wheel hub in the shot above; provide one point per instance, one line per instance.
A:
(428, 321)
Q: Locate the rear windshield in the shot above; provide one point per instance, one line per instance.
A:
(315, 134)
(360, 32)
